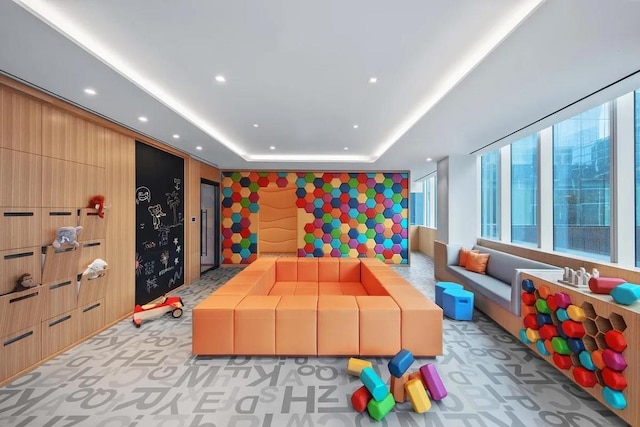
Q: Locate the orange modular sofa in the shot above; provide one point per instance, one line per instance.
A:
(317, 307)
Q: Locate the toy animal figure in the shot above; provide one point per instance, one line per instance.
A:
(24, 282)
(95, 268)
(97, 202)
(67, 236)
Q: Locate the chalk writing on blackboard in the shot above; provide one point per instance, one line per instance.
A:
(149, 266)
(138, 264)
(163, 236)
(176, 183)
(176, 277)
(156, 214)
(164, 258)
(151, 283)
(143, 194)
(173, 201)
(149, 245)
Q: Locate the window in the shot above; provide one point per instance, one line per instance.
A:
(431, 198)
(423, 206)
(416, 213)
(489, 184)
(637, 173)
(524, 191)
(581, 183)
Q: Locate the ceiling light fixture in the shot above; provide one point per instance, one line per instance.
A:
(346, 148)
(176, 136)
(272, 147)
(355, 126)
(373, 80)
(90, 91)
(143, 119)
(255, 125)
(198, 147)
(220, 78)
(428, 159)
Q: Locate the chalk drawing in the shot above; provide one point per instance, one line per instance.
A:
(156, 214)
(143, 194)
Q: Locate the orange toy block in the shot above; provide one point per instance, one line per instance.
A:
(213, 326)
(379, 325)
(255, 325)
(296, 326)
(338, 325)
(417, 376)
(397, 388)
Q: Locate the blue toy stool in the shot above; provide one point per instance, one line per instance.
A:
(457, 304)
(441, 287)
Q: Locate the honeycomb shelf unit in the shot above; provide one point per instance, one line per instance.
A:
(588, 337)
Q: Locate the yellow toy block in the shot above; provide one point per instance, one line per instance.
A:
(533, 335)
(355, 366)
(576, 313)
(418, 396)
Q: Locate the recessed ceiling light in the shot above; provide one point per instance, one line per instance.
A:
(198, 147)
(90, 91)
(373, 79)
(355, 126)
(346, 148)
(176, 136)
(220, 78)
(428, 159)
(255, 125)
(272, 147)
(143, 119)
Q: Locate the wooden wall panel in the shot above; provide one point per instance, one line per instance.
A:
(54, 218)
(20, 122)
(192, 173)
(16, 262)
(119, 190)
(278, 220)
(210, 173)
(20, 227)
(20, 178)
(68, 137)
(67, 183)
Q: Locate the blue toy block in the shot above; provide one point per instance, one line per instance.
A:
(441, 287)
(541, 348)
(400, 363)
(575, 345)
(527, 285)
(562, 314)
(586, 361)
(374, 384)
(458, 304)
(543, 319)
(523, 336)
(614, 398)
(626, 293)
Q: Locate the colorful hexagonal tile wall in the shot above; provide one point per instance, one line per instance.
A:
(347, 214)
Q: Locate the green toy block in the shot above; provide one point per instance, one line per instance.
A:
(379, 409)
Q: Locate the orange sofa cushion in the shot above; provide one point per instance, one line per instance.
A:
(349, 269)
(329, 288)
(307, 269)
(379, 325)
(213, 325)
(329, 270)
(283, 288)
(255, 325)
(338, 326)
(287, 269)
(306, 288)
(296, 325)
(353, 288)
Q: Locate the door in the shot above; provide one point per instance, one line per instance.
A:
(209, 225)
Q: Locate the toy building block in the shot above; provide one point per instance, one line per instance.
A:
(560, 345)
(530, 321)
(418, 396)
(573, 329)
(528, 298)
(544, 319)
(561, 332)
(596, 358)
(604, 285)
(626, 293)
(576, 313)
(561, 300)
(433, 381)
(527, 285)
(585, 360)
(584, 377)
(562, 315)
(548, 346)
(532, 335)
(615, 340)
(575, 345)
(397, 387)
(613, 379)
(544, 291)
(614, 398)
(523, 336)
(355, 366)
(360, 399)
(527, 309)
(171, 305)
(374, 384)
(541, 348)
(399, 364)
(378, 409)
(551, 303)
(548, 331)
(614, 360)
(542, 306)
(417, 376)
(562, 361)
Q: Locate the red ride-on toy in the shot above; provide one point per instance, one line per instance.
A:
(171, 305)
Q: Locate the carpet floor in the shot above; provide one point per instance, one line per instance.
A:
(129, 377)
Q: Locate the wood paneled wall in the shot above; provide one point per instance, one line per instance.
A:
(53, 157)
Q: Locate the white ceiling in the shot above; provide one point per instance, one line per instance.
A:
(453, 75)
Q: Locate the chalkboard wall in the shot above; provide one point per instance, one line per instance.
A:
(159, 222)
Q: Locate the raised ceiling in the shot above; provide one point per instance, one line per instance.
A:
(453, 76)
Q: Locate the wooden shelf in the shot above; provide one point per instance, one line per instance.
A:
(93, 227)
(92, 289)
(602, 314)
(60, 265)
(16, 262)
(19, 350)
(20, 310)
(60, 297)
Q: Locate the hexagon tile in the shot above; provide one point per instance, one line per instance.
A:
(578, 339)
(350, 214)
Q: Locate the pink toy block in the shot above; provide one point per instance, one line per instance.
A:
(435, 386)
(604, 285)
(561, 300)
(360, 398)
(614, 360)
